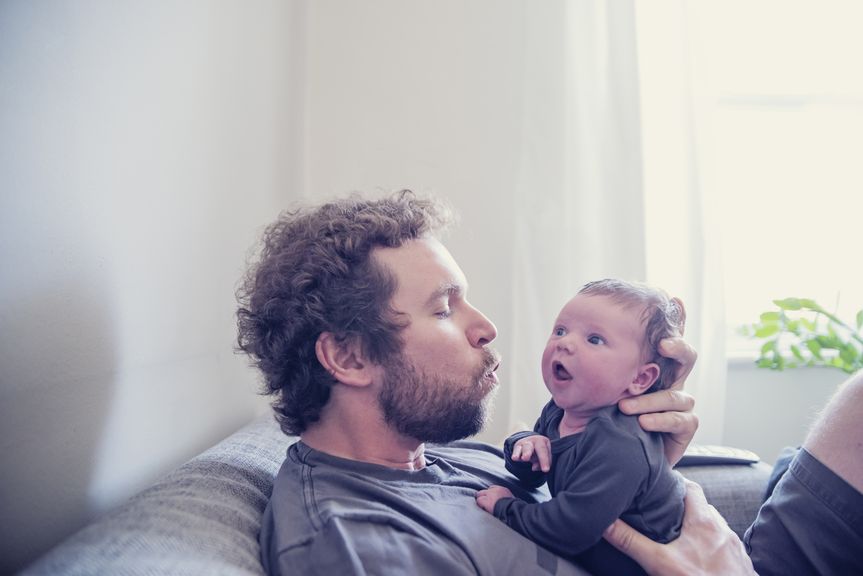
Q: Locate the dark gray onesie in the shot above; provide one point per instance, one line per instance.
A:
(613, 468)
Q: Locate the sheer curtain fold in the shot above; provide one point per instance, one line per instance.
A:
(580, 200)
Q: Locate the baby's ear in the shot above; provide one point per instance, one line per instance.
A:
(645, 378)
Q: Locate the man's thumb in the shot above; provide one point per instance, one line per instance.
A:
(623, 537)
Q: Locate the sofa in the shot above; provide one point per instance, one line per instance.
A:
(204, 517)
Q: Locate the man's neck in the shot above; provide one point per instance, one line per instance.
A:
(363, 436)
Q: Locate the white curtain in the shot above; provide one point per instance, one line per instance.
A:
(580, 205)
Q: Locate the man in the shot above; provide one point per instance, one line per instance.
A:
(359, 320)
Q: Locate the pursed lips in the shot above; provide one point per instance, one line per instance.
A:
(490, 373)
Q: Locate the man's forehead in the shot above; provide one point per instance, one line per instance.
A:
(423, 269)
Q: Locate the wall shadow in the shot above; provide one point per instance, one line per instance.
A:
(57, 370)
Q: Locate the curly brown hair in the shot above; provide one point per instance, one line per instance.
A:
(315, 274)
(663, 317)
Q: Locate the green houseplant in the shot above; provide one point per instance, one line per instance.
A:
(802, 333)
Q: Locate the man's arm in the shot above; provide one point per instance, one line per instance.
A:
(706, 544)
(669, 411)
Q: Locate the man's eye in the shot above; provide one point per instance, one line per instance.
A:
(594, 339)
(444, 313)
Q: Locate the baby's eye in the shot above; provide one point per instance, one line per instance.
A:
(559, 331)
(595, 339)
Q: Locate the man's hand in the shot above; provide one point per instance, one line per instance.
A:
(535, 449)
(486, 499)
(706, 544)
(669, 411)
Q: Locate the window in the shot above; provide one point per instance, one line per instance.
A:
(783, 104)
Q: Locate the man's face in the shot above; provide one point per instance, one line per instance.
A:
(439, 388)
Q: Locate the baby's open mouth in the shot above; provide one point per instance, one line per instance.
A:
(560, 372)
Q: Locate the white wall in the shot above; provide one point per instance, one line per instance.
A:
(766, 410)
(426, 95)
(142, 147)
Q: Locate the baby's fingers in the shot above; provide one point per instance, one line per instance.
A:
(522, 452)
(543, 457)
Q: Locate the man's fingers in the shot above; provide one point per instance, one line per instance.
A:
(632, 543)
(696, 507)
(662, 401)
(681, 352)
(674, 423)
(678, 428)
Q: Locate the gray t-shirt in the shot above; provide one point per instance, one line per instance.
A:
(328, 515)
(613, 468)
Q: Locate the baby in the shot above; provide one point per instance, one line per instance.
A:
(599, 463)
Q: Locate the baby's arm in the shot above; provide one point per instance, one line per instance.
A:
(589, 497)
(528, 457)
(535, 449)
(486, 499)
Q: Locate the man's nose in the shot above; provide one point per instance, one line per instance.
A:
(482, 331)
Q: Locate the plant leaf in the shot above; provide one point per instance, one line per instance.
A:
(788, 303)
(769, 346)
(815, 348)
(810, 304)
(849, 354)
(766, 330)
(859, 320)
(796, 351)
(770, 317)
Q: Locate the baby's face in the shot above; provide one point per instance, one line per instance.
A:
(593, 354)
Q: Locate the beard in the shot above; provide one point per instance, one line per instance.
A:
(434, 407)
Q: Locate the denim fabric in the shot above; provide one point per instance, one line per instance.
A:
(812, 523)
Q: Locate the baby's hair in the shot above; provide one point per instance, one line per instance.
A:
(662, 316)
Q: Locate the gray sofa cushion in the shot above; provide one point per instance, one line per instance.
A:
(735, 490)
(204, 517)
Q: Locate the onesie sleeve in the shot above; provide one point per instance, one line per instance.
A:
(608, 476)
(522, 470)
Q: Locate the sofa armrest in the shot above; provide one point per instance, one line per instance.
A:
(202, 518)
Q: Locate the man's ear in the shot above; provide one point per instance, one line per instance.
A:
(645, 378)
(344, 359)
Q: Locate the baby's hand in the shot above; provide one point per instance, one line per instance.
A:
(535, 449)
(486, 499)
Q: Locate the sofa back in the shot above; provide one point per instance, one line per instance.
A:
(202, 518)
